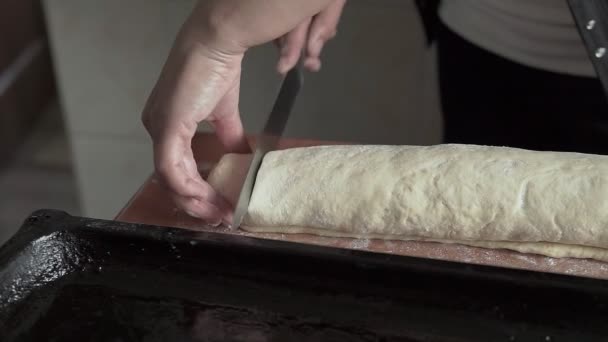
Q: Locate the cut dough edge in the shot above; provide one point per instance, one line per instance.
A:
(550, 249)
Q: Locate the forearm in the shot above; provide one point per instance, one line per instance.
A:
(236, 25)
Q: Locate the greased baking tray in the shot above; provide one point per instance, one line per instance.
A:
(65, 278)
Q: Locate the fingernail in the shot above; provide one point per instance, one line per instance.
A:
(228, 220)
(282, 68)
(313, 64)
(214, 223)
(192, 214)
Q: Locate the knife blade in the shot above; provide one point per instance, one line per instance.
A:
(269, 138)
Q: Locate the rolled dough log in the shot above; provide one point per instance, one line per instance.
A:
(549, 203)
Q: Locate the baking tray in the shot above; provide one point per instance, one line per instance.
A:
(65, 278)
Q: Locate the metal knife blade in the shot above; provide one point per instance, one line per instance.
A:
(269, 138)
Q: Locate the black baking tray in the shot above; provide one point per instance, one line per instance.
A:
(65, 278)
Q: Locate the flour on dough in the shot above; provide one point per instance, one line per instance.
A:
(550, 203)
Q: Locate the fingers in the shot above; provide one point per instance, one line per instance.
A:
(176, 169)
(226, 121)
(200, 200)
(323, 28)
(202, 210)
(169, 151)
(292, 45)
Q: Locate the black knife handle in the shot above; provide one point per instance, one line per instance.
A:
(591, 18)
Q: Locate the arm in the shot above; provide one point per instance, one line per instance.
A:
(240, 24)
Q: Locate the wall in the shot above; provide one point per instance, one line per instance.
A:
(377, 86)
(26, 78)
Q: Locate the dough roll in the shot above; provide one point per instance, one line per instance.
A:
(550, 203)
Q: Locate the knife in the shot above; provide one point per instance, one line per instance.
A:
(268, 139)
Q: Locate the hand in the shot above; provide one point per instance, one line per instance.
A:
(309, 37)
(200, 82)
